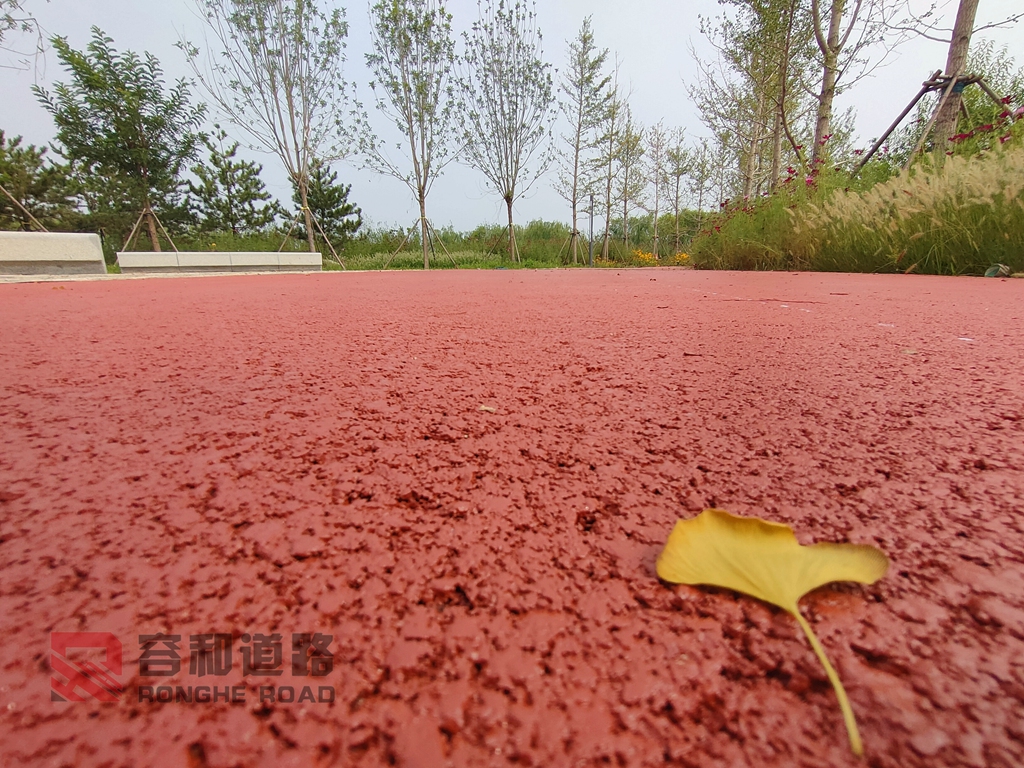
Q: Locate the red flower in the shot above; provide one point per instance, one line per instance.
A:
(1007, 99)
(1006, 138)
(987, 127)
(858, 151)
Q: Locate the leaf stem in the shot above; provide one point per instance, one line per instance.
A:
(844, 703)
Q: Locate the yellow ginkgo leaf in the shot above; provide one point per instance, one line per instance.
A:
(764, 560)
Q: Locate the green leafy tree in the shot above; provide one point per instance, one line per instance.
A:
(278, 77)
(679, 164)
(41, 190)
(230, 195)
(120, 128)
(656, 149)
(586, 95)
(413, 63)
(632, 181)
(329, 206)
(610, 130)
(757, 95)
(507, 90)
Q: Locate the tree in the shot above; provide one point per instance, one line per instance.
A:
(679, 164)
(753, 94)
(701, 175)
(585, 101)
(844, 31)
(41, 189)
(116, 123)
(278, 77)
(413, 64)
(328, 204)
(657, 171)
(629, 153)
(611, 127)
(229, 194)
(507, 90)
(956, 60)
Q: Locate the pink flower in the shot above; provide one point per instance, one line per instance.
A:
(1006, 138)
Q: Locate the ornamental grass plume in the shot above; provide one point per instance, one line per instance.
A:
(955, 219)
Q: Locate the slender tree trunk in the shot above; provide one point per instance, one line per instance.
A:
(657, 255)
(154, 238)
(830, 56)
(573, 238)
(677, 216)
(511, 231)
(776, 149)
(783, 88)
(700, 200)
(424, 235)
(751, 165)
(304, 197)
(607, 213)
(956, 61)
(625, 207)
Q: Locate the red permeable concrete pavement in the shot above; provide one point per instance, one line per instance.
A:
(464, 479)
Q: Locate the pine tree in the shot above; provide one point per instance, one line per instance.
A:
(230, 191)
(40, 187)
(329, 205)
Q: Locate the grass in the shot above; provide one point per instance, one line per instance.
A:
(955, 218)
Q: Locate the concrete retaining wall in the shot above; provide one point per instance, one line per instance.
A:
(218, 261)
(50, 253)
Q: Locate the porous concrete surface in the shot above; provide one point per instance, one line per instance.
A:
(465, 478)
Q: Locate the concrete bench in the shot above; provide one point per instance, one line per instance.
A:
(50, 253)
(136, 262)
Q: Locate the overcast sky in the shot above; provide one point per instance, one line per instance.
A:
(651, 38)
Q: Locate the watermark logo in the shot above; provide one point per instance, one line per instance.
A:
(84, 678)
(208, 655)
